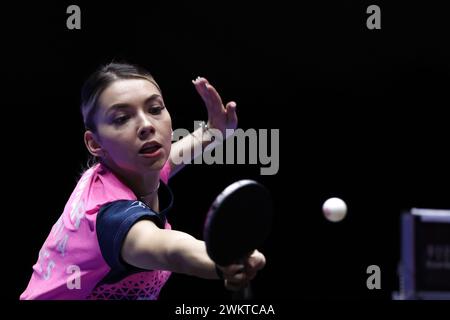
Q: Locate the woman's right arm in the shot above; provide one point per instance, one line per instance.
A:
(148, 247)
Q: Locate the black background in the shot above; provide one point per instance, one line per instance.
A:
(361, 114)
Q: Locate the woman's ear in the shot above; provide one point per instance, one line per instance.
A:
(92, 144)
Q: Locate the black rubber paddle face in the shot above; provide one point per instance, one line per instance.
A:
(238, 222)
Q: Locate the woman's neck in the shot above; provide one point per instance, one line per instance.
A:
(151, 200)
(144, 186)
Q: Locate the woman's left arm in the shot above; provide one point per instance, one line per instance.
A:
(220, 118)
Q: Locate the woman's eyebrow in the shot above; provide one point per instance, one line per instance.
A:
(153, 97)
(121, 106)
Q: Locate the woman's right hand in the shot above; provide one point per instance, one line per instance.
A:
(238, 276)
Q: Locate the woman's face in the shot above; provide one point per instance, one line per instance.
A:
(134, 128)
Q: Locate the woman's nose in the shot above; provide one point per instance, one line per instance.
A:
(145, 127)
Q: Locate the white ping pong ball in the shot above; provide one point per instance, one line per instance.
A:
(334, 209)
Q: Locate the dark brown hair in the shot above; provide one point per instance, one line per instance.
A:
(100, 80)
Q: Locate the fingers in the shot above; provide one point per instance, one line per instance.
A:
(219, 116)
(209, 94)
(214, 94)
(237, 281)
(235, 276)
(231, 113)
(255, 262)
(201, 90)
(231, 270)
(238, 276)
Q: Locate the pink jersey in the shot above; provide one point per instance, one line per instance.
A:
(70, 263)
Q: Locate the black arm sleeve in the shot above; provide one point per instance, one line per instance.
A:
(114, 220)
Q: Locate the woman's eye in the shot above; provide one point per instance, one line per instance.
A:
(156, 109)
(120, 120)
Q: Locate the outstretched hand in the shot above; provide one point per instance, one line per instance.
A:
(238, 276)
(219, 116)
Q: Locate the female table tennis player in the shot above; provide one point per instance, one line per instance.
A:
(113, 240)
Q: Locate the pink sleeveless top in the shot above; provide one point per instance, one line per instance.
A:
(70, 263)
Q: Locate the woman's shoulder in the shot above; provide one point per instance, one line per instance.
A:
(101, 186)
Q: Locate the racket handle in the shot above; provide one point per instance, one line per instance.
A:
(243, 294)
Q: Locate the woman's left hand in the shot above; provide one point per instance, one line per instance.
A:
(219, 116)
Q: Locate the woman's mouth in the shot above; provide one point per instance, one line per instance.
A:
(150, 150)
